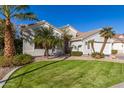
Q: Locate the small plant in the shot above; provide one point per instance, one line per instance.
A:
(114, 51)
(97, 55)
(22, 59)
(93, 54)
(76, 53)
(5, 62)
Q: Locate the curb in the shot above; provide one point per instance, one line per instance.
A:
(4, 80)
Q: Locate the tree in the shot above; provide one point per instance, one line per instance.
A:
(91, 42)
(47, 39)
(17, 39)
(8, 13)
(66, 39)
(106, 33)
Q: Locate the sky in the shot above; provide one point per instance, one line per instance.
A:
(82, 17)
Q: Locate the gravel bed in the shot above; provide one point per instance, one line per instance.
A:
(4, 71)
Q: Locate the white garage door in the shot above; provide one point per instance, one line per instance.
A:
(107, 50)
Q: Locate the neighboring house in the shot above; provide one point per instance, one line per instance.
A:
(79, 40)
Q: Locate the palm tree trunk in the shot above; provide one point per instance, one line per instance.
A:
(93, 47)
(66, 46)
(103, 46)
(46, 53)
(9, 48)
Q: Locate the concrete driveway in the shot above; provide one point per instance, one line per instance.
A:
(120, 85)
(120, 56)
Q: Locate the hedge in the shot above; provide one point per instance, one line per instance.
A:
(17, 60)
(22, 59)
(114, 51)
(5, 62)
(76, 53)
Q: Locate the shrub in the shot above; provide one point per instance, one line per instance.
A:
(22, 59)
(93, 54)
(97, 55)
(5, 62)
(114, 51)
(76, 53)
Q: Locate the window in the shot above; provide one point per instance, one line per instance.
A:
(88, 45)
(85, 43)
(38, 46)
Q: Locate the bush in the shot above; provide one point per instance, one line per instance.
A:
(93, 54)
(97, 55)
(5, 62)
(22, 59)
(114, 51)
(76, 53)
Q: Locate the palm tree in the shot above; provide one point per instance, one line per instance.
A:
(47, 39)
(106, 33)
(66, 39)
(17, 39)
(8, 13)
(92, 44)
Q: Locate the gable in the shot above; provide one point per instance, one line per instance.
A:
(71, 31)
(26, 29)
(85, 35)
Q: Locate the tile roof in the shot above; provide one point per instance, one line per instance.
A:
(119, 38)
(83, 35)
(38, 24)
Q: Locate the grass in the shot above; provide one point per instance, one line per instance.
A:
(67, 74)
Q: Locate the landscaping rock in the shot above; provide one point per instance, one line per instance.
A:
(113, 57)
(4, 71)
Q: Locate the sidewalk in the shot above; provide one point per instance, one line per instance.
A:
(90, 58)
(84, 57)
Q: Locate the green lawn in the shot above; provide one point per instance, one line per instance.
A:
(68, 74)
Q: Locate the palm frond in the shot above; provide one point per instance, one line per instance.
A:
(22, 7)
(107, 32)
(47, 37)
(26, 16)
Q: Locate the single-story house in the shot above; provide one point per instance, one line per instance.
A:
(79, 41)
(30, 47)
